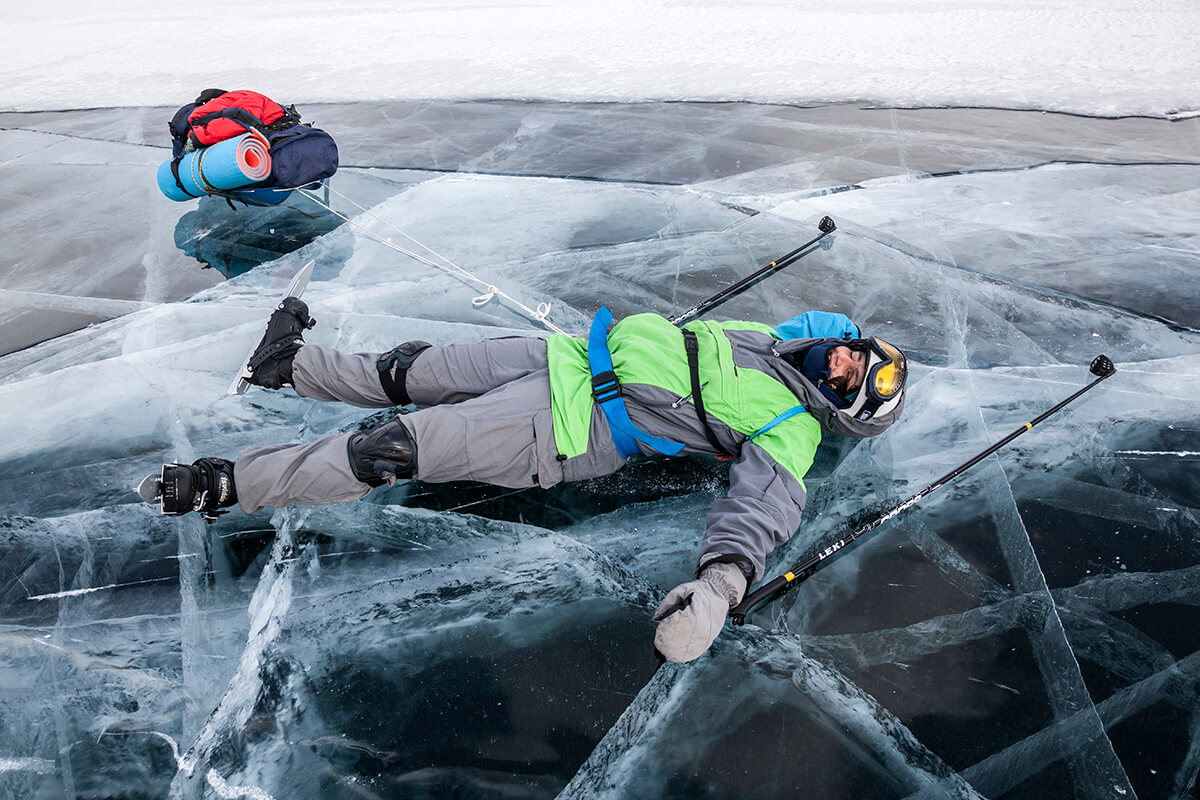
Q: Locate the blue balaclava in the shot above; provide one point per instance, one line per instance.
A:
(816, 368)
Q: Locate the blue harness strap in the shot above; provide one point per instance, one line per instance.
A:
(606, 390)
(791, 412)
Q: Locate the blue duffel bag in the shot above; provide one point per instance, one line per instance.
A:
(300, 155)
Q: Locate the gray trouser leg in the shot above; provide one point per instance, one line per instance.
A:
(489, 420)
(297, 474)
(505, 438)
(326, 374)
(445, 374)
(457, 372)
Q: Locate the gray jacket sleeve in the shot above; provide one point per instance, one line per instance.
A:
(760, 512)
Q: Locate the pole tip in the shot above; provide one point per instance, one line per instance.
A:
(1102, 366)
(826, 225)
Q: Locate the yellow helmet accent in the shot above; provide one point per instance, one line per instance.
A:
(886, 379)
(887, 369)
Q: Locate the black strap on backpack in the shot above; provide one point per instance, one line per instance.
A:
(175, 172)
(179, 123)
(692, 346)
(247, 120)
(179, 129)
(239, 115)
(179, 132)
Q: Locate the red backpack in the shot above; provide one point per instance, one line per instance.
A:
(216, 118)
(300, 153)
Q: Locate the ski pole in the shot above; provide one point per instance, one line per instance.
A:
(826, 226)
(1101, 366)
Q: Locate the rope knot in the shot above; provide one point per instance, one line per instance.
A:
(484, 299)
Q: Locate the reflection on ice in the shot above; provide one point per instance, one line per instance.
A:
(1027, 631)
(236, 239)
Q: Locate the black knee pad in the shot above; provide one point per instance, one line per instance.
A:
(383, 454)
(393, 369)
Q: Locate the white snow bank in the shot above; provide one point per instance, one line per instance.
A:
(1105, 57)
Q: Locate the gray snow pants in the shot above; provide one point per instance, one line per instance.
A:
(484, 416)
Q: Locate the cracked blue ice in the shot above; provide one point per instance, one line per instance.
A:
(1028, 631)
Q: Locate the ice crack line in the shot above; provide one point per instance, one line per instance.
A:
(89, 590)
(1095, 767)
(1046, 291)
(271, 601)
(1001, 771)
(859, 716)
(503, 174)
(613, 761)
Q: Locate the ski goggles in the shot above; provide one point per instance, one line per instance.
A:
(887, 369)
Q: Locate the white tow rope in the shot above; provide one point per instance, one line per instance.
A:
(443, 263)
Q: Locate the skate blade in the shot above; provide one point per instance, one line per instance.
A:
(240, 384)
(150, 489)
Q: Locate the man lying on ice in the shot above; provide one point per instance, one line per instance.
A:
(521, 412)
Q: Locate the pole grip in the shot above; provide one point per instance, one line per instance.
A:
(768, 591)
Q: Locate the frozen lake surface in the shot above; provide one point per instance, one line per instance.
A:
(1028, 632)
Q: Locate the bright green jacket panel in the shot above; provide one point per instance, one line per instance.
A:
(647, 350)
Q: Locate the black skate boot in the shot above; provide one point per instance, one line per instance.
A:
(205, 486)
(271, 364)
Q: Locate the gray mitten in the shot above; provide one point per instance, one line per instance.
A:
(692, 614)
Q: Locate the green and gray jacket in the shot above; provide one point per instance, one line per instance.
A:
(746, 385)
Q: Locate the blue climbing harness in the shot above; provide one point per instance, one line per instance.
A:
(606, 390)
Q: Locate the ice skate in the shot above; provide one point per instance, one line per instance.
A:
(204, 486)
